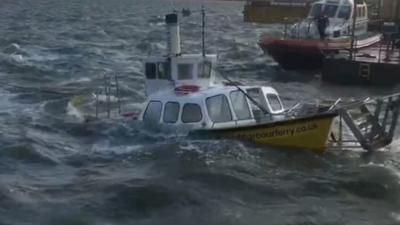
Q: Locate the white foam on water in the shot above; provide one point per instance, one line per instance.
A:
(106, 147)
(395, 216)
(75, 113)
(18, 58)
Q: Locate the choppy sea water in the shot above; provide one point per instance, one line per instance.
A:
(54, 170)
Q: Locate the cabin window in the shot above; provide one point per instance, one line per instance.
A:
(163, 71)
(255, 94)
(150, 70)
(171, 112)
(316, 10)
(330, 10)
(185, 71)
(359, 12)
(218, 108)
(274, 102)
(240, 106)
(344, 12)
(191, 113)
(153, 111)
(204, 69)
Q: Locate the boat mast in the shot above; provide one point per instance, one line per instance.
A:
(203, 25)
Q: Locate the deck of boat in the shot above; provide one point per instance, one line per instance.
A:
(379, 53)
(376, 65)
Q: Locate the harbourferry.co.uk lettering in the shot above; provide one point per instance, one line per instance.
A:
(278, 132)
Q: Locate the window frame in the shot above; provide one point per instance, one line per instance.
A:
(316, 13)
(331, 13)
(272, 109)
(229, 107)
(166, 68)
(187, 64)
(201, 72)
(342, 9)
(165, 107)
(183, 111)
(247, 104)
(147, 107)
(154, 77)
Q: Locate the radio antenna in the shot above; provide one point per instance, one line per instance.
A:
(203, 26)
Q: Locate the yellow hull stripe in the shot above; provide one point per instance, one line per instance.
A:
(309, 134)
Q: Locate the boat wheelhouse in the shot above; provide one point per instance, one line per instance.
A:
(340, 14)
(166, 73)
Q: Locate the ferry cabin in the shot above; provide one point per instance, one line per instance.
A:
(213, 107)
(166, 73)
(340, 14)
(181, 91)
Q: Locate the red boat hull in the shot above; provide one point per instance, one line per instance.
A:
(307, 54)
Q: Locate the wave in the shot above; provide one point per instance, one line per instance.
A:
(26, 153)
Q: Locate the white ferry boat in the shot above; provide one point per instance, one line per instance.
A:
(183, 92)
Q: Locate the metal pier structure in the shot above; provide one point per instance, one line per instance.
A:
(103, 103)
(375, 65)
(371, 123)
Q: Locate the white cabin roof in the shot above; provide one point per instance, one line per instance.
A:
(171, 95)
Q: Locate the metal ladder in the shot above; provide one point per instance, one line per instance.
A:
(372, 122)
(110, 86)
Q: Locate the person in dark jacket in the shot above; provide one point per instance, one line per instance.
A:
(322, 24)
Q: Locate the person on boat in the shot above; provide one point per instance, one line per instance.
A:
(322, 24)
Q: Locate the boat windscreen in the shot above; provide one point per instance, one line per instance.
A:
(328, 10)
(316, 10)
(344, 12)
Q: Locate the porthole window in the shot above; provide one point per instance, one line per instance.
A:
(191, 113)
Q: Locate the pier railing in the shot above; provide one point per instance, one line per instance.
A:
(107, 100)
(370, 124)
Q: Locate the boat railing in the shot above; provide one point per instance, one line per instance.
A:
(298, 21)
(107, 98)
(333, 106)
(371, 123)
(287, 21)
(293, 108)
